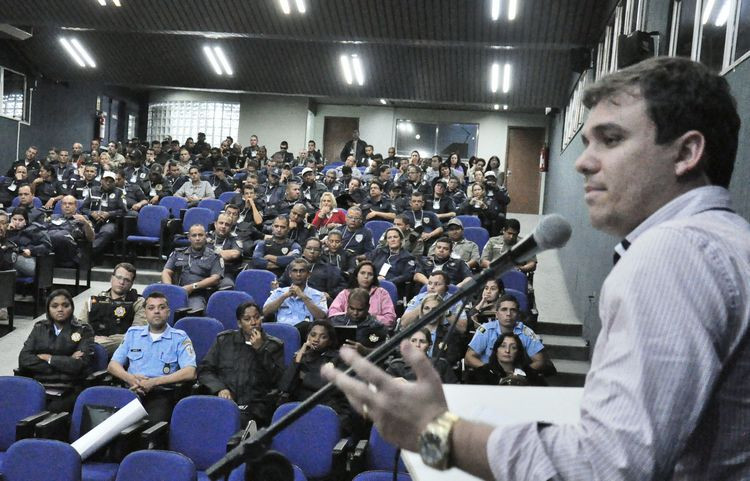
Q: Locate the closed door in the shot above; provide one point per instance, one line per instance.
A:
(522, 168)
(337, 131)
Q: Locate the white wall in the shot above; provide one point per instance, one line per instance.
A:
(274, 118)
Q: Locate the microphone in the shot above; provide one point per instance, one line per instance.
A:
(552, 232)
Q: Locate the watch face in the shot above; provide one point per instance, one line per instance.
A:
(431, 449)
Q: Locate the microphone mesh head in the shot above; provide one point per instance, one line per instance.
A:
(552, 232)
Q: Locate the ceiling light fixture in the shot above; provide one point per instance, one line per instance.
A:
(723, 16)
(84, 53)
(346, 68)
(72, 52)
(212, 60)
(359, 72)
(495, 10)
(505, 107)
(707, 11)
(223, 60)
(383, 101)
(506, 78)
(117, 3)
(300, 6)
(285, 7)
(103, 3)
(512, 9)
(496, 106)
(494, 77)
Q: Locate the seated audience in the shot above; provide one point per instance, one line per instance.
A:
(111, 313)
(497, 246)
(152, 358)
(480, 347)
(486, 309)
(195, 268)
(298, 304)
(226, 245)
(440, 203)
(31, 241)
(378, 206)
(67, 230)
(508, 365)
(276, 253)
(302, 378)
(443, 260)
(9, 185)
(486, 208)
(393, 262)
(463, 249)
(369, 332)
(104, 206)
(312, 190)
(324, 277)
(59, 350)
(245, 366)
(328, 215)
(84, 185)
(26, 200)
(357, 239)
(437, 285)
(425, 222)
(196, 189)
(451, 348)
(381, 305)
(422, 340)
(46, 187)
(299, 229)
(333, 254)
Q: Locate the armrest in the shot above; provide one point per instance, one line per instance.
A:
(128, 440)
(339, 457)
(186, 311)
(98, 378)
(26, 426)
(155, 437)
(234, 440)
(54, 427)
(358, 459)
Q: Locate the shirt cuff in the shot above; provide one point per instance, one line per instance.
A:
(517, 452)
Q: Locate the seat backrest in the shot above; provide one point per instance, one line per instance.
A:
(377, 227)
(215, 205)
(239, 473)
(523, 302)
(149, 219)
(200, 428)
(36, 202)
(177, 297)
(202, 332)
(308, 442)
(7, 295)
(225, 197)
(110, 396)
(198, 215)
(19, 397)
(156, 464)
(478, 235)
(101, 358)
(174, 204)
(515, 280)
(41, 460)
(391, 288)
(222, 305)
(57, 209)
(469, 221)
(287, 333)
(381, 476)
(381, 454)
(256, 282)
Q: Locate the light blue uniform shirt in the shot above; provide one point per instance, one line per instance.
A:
(139, 354)
(482, 342)
(293, 311)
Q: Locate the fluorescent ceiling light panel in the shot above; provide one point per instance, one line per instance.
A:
(496, 106)
(72, 52)
(707, 11)
(723, 16)
(494, 77)
(103, 3)
(495, 10)
(285, 7)
(84, 53)
(505, 107)
(359, 72)
(300, 6)
(223, 60)
(346, 69)
(512, 9)
(117, 3)
(212, 59)
(383, 101)
(506, 78)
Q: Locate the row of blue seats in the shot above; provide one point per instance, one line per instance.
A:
(200, 430)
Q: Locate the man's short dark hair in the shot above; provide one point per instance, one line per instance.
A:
(445, 240)
(314, 239)
(359, 294)
(156, 295)
(512, 224)
(241, 309)
(302, 262)
(509, 298)
(417, 193)
(681, 95)
(127, 266)
(444, 275)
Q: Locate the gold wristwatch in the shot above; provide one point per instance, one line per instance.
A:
(435, 441)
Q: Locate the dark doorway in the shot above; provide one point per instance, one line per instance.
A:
(337, 131)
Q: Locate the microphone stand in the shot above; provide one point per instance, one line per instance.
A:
(254, 448)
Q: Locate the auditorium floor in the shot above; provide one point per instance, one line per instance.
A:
(553, 301)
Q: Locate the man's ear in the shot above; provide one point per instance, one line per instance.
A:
(691, 147)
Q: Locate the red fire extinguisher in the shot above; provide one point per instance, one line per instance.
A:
(543, 158)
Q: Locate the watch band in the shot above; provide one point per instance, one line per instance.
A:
(435, 441)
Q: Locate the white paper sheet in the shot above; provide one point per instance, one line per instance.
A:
(129, 414)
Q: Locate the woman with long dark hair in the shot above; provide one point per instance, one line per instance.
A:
(381, 305)
(58, 351)
(508, 365)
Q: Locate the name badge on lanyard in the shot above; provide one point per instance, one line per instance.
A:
(384, 270)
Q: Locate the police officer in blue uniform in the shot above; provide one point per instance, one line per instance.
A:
(46, 187)
(392, 262)
(229, 247)
(325, 277)
(104, 206)
(152, 358)
(277, 252)
(67, 230)
(134, 196)
(354, 237)
(83, 187)
(195, 268)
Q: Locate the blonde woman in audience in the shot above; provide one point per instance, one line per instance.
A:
(329, 216)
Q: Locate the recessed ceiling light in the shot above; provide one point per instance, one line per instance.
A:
(84, 53)
(494, 77)
(495, 10)
(417, 136)
(359, 72)
(383, 101)
(496, 106)
(103, 3)
(117, 3)
(72, 52)
(223, 60)
(351, 67)
(212, 60)
(346, 68)
(505, 107)
(300, 6)
(512, 9)
(285, 7)
(506, 78)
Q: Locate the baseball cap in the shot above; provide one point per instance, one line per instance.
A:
(109, 174)
(490, 174)
(454, 222)
(275, 172)
(306, 170)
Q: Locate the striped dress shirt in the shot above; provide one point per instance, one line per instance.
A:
(668, 394)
